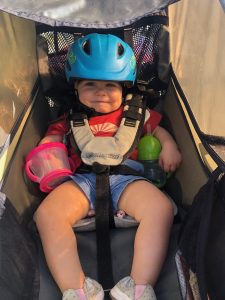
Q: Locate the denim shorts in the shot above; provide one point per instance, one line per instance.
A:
(87, 183)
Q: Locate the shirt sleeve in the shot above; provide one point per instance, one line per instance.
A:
(59, 127)
(152, 120)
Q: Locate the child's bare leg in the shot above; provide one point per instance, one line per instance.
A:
(149, 206)
(54, 218)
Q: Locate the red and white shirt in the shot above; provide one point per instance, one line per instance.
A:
(106, 126)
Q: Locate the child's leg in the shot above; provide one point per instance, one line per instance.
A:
(149, 206)
(54, 218)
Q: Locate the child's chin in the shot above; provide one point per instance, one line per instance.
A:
(103, 110)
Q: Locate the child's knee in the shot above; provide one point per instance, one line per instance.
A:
(160, 207)
(42, 215)
(169, 207)
(49, 214)
(164, 206)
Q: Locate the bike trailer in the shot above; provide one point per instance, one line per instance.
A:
(179, 48)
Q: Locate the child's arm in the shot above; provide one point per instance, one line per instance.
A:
(51, 138)
(170, 157)
(56, 131)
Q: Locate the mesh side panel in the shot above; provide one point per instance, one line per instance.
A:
(64, 39)
(51, 103)
(57, 63)
(59, 97)
(145, 41)
(58, 45)
(49, 36)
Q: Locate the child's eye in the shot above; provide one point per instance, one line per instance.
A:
(110, 84)
(89, 83)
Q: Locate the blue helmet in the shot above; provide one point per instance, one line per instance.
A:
(101, 57)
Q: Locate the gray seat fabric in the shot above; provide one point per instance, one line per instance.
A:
(88, 224)
(122, 240)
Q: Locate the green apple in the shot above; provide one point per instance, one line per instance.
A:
(149, 148)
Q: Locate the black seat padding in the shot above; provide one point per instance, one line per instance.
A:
(122, 240)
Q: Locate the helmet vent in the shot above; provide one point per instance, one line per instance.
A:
(120, 49)
(86, 47)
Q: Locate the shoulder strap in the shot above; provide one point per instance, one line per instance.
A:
(110, 151)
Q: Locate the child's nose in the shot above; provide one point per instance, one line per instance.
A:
(101, 90)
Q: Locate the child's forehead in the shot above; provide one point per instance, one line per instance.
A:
(82, 81)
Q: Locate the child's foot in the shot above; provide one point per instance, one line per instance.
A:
(127, 290)
(92, 290)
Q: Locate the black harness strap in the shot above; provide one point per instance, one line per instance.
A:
(78, 119)
(124, 170)
(104, 220)
(103, 206)
(114, 170)
(134, 115)
(136, 101)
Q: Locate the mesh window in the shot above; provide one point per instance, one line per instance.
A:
(145, 42)
(145, 46)
(58, 45)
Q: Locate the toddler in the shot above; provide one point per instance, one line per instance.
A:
(101, 67)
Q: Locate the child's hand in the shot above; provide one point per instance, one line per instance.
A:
(170, 157)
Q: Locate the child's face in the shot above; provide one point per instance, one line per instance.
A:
(103, 96)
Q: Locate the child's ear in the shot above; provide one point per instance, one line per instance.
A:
(75, 88)
(75, 92)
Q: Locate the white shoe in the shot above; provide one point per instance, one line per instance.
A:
(125, 290)
(92, 290)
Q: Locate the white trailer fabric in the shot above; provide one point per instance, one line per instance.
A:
(197, 31)
(19, 70)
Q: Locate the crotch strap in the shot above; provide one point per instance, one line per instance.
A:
(99, 153)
